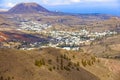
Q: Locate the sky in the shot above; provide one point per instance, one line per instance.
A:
(72, 6)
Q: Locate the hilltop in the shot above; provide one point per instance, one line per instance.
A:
(27, 8)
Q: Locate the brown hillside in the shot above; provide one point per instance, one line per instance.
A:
(107, 47)
(20, 65)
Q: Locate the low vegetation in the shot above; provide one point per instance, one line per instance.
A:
(64, 62)
(40, 62)
(6, 78)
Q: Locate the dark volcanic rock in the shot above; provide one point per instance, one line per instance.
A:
(27, 8)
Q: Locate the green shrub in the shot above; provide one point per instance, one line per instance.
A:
(64, 56)
(57, 59)
(50, 69)
(66, 68)
(39, 63)
(74, 56)
(75, 64)
(78, 64)
(93, 58)
(92, 62)
(89, 62)
(61, 56)
(57, 67)
(12, 77)
(77, 69)
(70, 64)
(61, 64)
(49, 61)
(72, 67)
(84, 63)
(54, 67)
(69, 59)
(9, 78)
(98, 60)
(43, 62)
(1, 78)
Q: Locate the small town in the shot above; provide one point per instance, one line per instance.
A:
(56, 38)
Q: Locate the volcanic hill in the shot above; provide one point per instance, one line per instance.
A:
(27, 8)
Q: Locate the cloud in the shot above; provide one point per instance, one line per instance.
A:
(98, 0)
(10, 4)
(59, 2)
(76, 1)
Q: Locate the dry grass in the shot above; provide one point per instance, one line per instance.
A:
(21, 66)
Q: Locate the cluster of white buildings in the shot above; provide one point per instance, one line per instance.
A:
(71, 40)
(33, 26)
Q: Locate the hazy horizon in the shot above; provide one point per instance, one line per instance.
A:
(111, 7)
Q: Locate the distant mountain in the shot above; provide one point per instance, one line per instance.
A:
(27, 8)
(3, 10)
